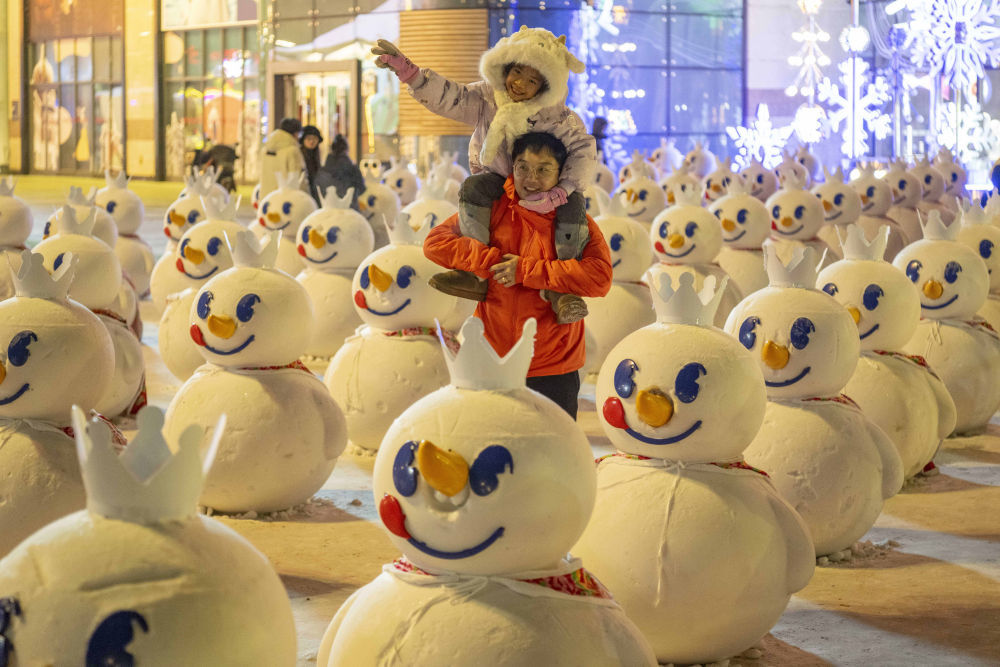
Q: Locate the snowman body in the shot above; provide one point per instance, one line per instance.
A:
(745, 226)
(876, 198)
(284, 210)
(15, 227)
(127, 211)
(761, 181)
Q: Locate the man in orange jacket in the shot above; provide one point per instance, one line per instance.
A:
(521, 261)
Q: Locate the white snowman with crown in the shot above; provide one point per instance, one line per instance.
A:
(686, 238)
(931, 190)
(203, 252)
(104, 224)
(380, 202)
(762, 181)
(128, 212)
(638, 166)
(484, 512)
(56, 354)
(955, 178)
(746, 224)
(332, 243)
(139, 568)
(284, 210)
(15, 228)
(627, 306)
(395, 358)
(898, 392)
(642, 197)
(699, 160)
(207, 180)
(797, 214)
(826, 458)
(283, 432)
(680, 183)
(789, 167)
(906, 193)
(876, 198)
(666, 158)
(984, 238)
(809, 162)
(717, 183)
(962, 348)
(841, 207)
(697, 546)
(401, 180)
(428, 210)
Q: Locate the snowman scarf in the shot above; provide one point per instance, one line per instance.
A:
(141, 397)
(8, 427)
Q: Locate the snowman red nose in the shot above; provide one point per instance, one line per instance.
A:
(359, 298)
(614, 413)
(197, 336)
(302, 250)
(392, 516)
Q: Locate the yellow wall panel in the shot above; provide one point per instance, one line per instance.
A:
(140, 87)
(15, 42)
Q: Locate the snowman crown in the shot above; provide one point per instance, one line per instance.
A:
(291, 180)
(478, 366)
(119, 180)
(944, 156)
(69, 224)
(935, 229)
(150, 481)
(791, 179)
(738, 186)
(689, 196)
(217, 208)
(7, 186)
(866, 170)
(836, 175)
(609, 206)
(251, 252)
(922, 163)
(800, 270)
(33, 280)
(200, 184)
(402, 233)
(329, 198)
(856, 246)
(77, 198)
(973, 213)
(684, 305)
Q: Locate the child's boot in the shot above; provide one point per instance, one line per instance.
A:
(462, 284)
(569, 308)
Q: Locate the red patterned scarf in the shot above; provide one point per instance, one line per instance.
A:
(449, 338)
(738, 465)
(578, 582)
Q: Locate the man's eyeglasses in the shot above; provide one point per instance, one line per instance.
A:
(9, 607)
(542, 171)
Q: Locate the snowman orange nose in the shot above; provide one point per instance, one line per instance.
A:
(676, 240)
(631, 195)
(654, 407)
(221, 326)
(671, 199)
(379, 278)
(716, 187)
(193, 255)
(3, 373)
(827, 206)
(177, 219)
(445, 471)
(855, 313)
(864, 199)
(316, 239)
(933, 289)
(774, 355)
(274, 217)
(786, 221)
(728, 224)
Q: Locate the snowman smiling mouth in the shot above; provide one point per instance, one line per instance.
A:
(16, 395)
(785, 383)
(614, 414)
(199, 338)
(392, 516)
(939, 306)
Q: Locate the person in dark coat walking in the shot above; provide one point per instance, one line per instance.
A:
(340, 172)
(309, 140)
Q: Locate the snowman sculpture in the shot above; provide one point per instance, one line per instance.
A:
(876, 198)
(425, 212)
(906, 195)
(984, 238)
(962, 348)
(604, 178)
(745, 226)
(700, 161)
(791, 168)
(283, 431)
(638, 166)
(932, 189)
(955, 179)
(666, 158)
(896, 391)
(681, 183)
(841, 207)
(379, 202)
(332, 243)
(627, 306)
(826, 458)
(809, 162)
(104, 225)
(15, 227)
(796, 214)
(485, 577)
(128, 212)
(401, 180)
(395, 358)
(762, 181)
(456, 172)
(203, 253)
(717, 183)
(96, 284)
(642, 197)
(370, 167)
(680, 401)
(207, 179)
(284, 210)
(57, 354)
(686, 238)
(126, 578)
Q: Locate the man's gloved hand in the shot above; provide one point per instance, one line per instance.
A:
(545, 202)
(391, 57)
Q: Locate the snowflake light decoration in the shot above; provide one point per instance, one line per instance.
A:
(762, 140)
(956, 38)
(810, 58)
(978, 132)
(859, 108)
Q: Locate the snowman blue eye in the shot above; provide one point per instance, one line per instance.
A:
(363, 279)
(371, 200)
(718, 213)
(838, 199)
(59, 259)
(244, 309)
(951, 271)
(47, 230)
(726, 181)
(741, 216)
(115, 632)
(799, 212)
(331, 234)
(913, 270)
(431, 220)
(663, 230)
(193, 216)
(801, 328)
(399, 182)
(872, 294)
(902, 184)
(690, 229)
(17, 351)
(830, 289)
(686, 385)
(954, 176)
(204, 304)
(708, 184)
(266, 206)
(213, 245)
(286, 208)
(184, 245)
(760, 178)
(404, 275)
(624, 385)
(985, 248)
(404, 475)
(870, 192)
(110, 206)
(747, 334)
(927, 179)
(305, 234)
(642, 195)
(616, 242)
(485, 471)
(776, 212)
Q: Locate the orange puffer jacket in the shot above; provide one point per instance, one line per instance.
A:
(559, 348)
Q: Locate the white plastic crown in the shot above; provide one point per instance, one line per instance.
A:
(119, 180)
(478, 366)
(836, 175)
(856, 246)
(289, 180)
(973, 212)
(249, 251)
(150, 481)
(738, 186)
(217, 208)
(944, 156)
(609, 206)
(922, 163)
(638, 164)
(402, 233)
(803, 151)
(685, 306)
(68, 223)
(77, 198)
(330, 200)
(33, 280)
(866, 170)
(935, 229)
(897, 165)
(792, 179)
(437, 183)
(200, 184)
(799, 269)
(689, 196)
(7, 186)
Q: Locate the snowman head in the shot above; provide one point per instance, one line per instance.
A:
(762, 181)
(680, 389)
(906, 190)
(951, 277)
(371, 168)
(255, 197)
(55, 352)
(805, 342)
(427, 213)
(252, 314)
(642, 198)
(931, 180)
(686, 234)
(717, 183)
(808, 161)
(955, 177)
(378, 201)
(699, 161)
(983, 238)
(593, 200)
(666, 157)
(880, 299)
(628, 240)
(791, 168)
(744, 218)
(479, 498)
(874, 192)
(335, 237)
(284, 209)
(639, 166)
(796, 213)
(841, 204)
(604, 179)
(124, 206)
(401, 180)
(15, 216)
(104, 226)
(681, 185)
(203, 251)
(188, 209)
(98, 272)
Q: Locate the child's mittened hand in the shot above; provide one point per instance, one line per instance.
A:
(545, 202)
(391, 57)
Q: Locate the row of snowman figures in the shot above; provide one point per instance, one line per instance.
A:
(471, 528)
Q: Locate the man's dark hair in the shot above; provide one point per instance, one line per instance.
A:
(338, 145)
(541, 89)
(290, 125)
(539, 142)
